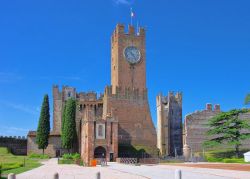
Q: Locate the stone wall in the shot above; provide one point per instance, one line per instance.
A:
(195, 127)
(16, 145)
(53, 148)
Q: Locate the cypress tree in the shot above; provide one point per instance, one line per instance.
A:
(63, 116)
(69, 125)
(228, 128)
(42, 136)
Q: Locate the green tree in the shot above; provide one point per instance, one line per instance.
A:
(69, 125)
(63, 116)
(42, 136)
(228, 128)
(247, 99)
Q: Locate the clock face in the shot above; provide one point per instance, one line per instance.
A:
(132, 54)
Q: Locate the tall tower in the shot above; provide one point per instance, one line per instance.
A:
(169, 124)
(127, 99)
(128, 60)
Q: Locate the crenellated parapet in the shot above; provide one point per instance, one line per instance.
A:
(89, 96)
(126, 93)
(172, 96)
(120, 30)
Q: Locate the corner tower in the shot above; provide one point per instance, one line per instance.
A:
(128, 60)
(169, 124)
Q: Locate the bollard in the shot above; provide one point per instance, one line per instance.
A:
(55, 176)
(177, 174)
(98, 175)
(12, 176)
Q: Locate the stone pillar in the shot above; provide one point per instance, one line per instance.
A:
(186, 152)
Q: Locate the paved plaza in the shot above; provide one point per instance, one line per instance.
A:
(121, 171)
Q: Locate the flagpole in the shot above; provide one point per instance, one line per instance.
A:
(137, 27)
(131, 18)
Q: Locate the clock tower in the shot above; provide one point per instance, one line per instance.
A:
(126, 99)
(128, 59)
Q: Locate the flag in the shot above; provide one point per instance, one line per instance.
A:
(132, 13)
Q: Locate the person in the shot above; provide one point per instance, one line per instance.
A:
(103, 163)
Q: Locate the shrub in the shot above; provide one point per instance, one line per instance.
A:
(67, 156)
(66, 161)
(233, 160)
(73, 156)
(38, 156)
(76, 156)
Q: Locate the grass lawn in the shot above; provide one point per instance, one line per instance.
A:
(16, 164)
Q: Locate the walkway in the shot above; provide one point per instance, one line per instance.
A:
(120, 171)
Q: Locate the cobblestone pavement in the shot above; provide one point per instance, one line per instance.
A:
(120, 171)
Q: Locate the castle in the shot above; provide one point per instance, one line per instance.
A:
(108, 124)
(118, 117)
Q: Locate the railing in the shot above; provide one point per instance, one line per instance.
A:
(130, 161)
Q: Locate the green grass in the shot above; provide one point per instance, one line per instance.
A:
(225, 156)
(16, 164)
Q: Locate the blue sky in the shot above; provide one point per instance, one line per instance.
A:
(201, 48)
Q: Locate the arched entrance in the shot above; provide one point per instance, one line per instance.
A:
(100, 152)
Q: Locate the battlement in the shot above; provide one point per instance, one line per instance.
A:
(89, 96)
(68, 92)
(14, 137)
(120, 29)
(209, 107)
(170, 97)
(126, 93)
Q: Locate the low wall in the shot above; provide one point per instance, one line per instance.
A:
(16, 145)
(52, 149)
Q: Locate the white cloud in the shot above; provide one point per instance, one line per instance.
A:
(122, 2)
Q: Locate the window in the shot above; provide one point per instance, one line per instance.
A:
(100, 133)
(69, 94)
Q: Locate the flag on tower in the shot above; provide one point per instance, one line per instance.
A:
(132, 15)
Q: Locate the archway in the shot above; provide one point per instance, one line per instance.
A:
(100, 152)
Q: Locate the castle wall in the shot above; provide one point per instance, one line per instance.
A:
(16, 145)
(196, 127)
(51, 150)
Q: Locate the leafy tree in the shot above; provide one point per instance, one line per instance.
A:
(63, 116)
(247, 99)
(42, 137)
(69, 125)
(228, 128)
